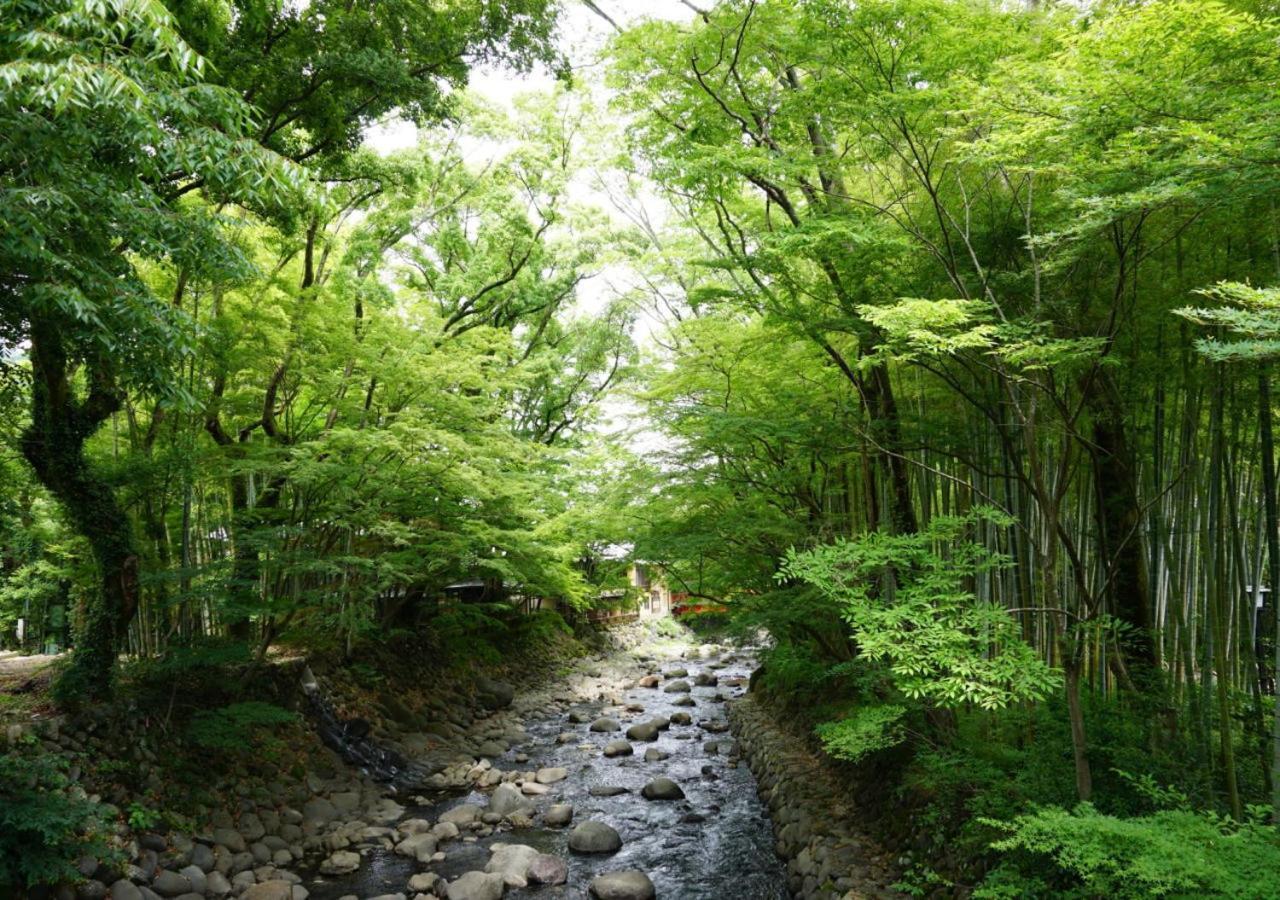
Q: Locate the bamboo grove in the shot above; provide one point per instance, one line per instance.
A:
(999, 263)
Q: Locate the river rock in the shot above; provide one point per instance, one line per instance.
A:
(125, 890)
(558, 815)
(229, 838)
(677, 687)
(618, 748)
(195, 875)
(551, 775)
(202, 856)
(594, 837)
(414, 826)
(507, 799)
(650, 681)
(423, 882)
(662, 723)
(418, 846)
(684, 701)
(477, 886)
(251, 827)
(317, 810)
(512, 862)
(643, 731)
(343, 862)
(492, 694)
(604, 723)
(705, 679)
(631, 884)
(653, 754)
(607, 790)
(548, 869)
(676, 673)
(170, 884)
(445, 831)
(662, 788)
(276, 889)
(216, 886)
(461, 815)
(681, 718)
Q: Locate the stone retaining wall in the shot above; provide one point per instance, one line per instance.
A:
(827, 853)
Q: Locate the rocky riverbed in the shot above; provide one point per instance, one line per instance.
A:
(618, 779)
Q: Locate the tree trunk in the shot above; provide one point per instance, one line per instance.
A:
(1273, 563)
(54, 446)
(1119, 519)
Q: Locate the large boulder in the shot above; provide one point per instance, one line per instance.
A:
(508, 799)
(594, 837)
(631, 884)
(477, 886)
(662, 788)
(493, 694)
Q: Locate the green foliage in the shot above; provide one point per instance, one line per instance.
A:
(46, 822)
(904, 599)
(867, 730)
(140, 817)
(1172, 853)
(238, 726)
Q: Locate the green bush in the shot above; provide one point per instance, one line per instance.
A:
(46, 822)
(1171, 853)
(237, 726)
(867, 730)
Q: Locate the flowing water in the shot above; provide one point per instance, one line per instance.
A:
(716, 844)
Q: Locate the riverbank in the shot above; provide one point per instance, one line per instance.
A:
(504, 777)
(828, 853)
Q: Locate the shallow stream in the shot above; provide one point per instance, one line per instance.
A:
(716, 844)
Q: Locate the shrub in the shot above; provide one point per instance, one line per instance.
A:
(237, 726)
(867, 730)
(1171, 853)
(46, 822)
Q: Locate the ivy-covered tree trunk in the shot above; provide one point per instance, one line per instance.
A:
(53, 444)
